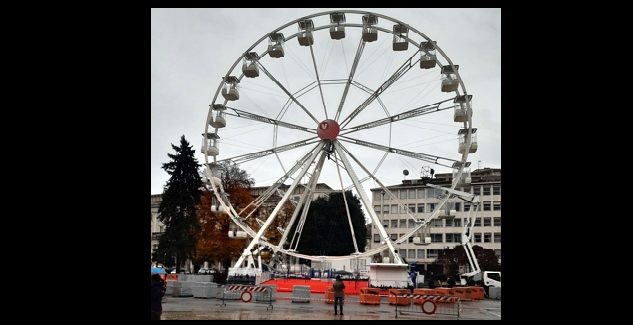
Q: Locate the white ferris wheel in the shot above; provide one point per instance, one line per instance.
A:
(364, 90)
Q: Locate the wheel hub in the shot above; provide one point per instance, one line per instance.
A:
(328, 130)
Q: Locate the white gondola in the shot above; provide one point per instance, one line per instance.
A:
(462, 133)
(249, 65)
(463, 110)
(428, 59)
(464, 179)
(337, 32)
(449, 78)
(370, 33)
(447, 212)
(219, 121)
(276, 45)
(229, 91)
(237, 234)
(400, 35)
(418, 241)
(210, 143)
(305, 32)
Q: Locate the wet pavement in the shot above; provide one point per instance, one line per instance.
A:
(283, 308)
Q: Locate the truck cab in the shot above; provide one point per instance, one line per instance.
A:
(492, 279)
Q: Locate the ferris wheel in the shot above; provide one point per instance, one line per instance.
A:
(355, 92)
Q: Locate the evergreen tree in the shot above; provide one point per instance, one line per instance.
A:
(177, 210)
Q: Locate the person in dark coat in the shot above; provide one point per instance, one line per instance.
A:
(158, 290)
(339, 294)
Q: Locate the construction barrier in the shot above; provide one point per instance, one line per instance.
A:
(399, 297)
(329, 296)
(369, 296)
(442, 291)
(477, 293)
(245, 294)
(429, 305)
(301, 294)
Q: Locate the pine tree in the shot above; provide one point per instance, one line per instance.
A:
(177, 210)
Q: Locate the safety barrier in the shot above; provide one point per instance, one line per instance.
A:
(301, 294)
(245, 294)
(369, 296)
(329, 295)
(428, 305)
(399, 297)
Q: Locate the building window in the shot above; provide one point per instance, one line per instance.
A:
(394, 208)
(477, 190)
(420, 253)
(487, 237)
(402, 208)
(486, 206)
(394, 223)
(412, 208)
(487, 222)
(436, 238)
(436, 223)
(410, 239)
(401, 235)
(421, 194)
(477, 237)
(412, 193)
(449, 238)
(458, 206)
(403, 223)
(449, 222)
(496, 206)
(376, 238)
(394, 237)
(478, 222)
(486, 189)
(403, 253)
(377, 209)
(161, 228)
(377, 196)
(431, 207)
(411, 253)
(466, 189)
(466, 206)
(432, 253)
(457, 222)
(496, 189)
(497, 237)
(403, 194)
(420, 207)
(385, 223)
(457, 238)
(497, 222)
(385, 209)
(498, 253)
(411, 223)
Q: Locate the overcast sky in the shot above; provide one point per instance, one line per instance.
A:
(192, 49)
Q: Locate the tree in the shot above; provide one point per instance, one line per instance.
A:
(178, 207)
(326, 229)
(451, 259)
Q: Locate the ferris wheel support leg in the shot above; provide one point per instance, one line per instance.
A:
(262, 230)
(312, 186)
(367, 203)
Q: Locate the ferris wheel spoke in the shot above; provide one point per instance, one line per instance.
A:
(404, 68)
(417, 155)
(423, 110)
(367, 203)
(286, 91)
(349, 218)
(384, 188)
(359, 53)
(247, 115)
(316, 71)
(305, 166)
(255, 155)
(370, 91)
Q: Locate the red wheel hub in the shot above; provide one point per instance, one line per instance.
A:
(328, 130)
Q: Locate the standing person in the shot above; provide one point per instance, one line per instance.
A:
(157, 296)
(339, 294)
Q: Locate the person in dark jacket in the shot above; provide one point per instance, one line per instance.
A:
(339, 294)
(158, 290)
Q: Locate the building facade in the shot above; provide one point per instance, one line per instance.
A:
(421, 201)
(157, 228)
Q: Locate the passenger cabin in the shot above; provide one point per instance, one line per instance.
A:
(463, 140)
(229, 91)
(449, 78)
(305, 32)
(464, 179)
(370, 33)
(210, 143)
(400, 36)
(219, 121)
(428, 59)
(276, 45)
(463, 110)
(249, 65)
(337, 32)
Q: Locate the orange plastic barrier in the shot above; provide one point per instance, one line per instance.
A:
(419, 301)
(329, 295)
(400, 301)
(444, 291)
(369, 296)
(477, 293)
